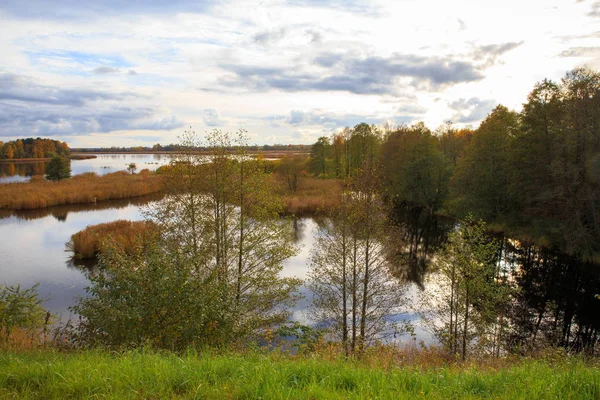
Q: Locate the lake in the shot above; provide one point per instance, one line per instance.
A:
(33, 250)
(103, 164)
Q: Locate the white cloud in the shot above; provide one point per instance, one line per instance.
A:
(302, 66)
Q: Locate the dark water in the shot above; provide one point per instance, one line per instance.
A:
(103, 164)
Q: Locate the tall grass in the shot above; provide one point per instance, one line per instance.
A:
(144, 374)
(312, 196)
(84, 188)
(124, 235)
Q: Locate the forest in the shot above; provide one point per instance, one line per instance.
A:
(534, 174)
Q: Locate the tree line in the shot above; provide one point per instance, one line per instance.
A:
(533, 174)
(32, 148)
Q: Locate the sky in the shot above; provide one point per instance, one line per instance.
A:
(141, 72)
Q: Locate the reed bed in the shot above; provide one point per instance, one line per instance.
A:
(84, 188)
(313, 195)
(121, 234)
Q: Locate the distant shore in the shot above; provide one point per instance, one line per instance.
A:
(77, 156)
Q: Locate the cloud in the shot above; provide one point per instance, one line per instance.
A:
(267, 37)
(358, 75)
(363, 7)
(67, 9)
(331, 121)
(595, 11)
(106, 70)
(19, 88)
(471, 110)
(581, 52)
(490, 53)
(28, 108)
(211, 117)
(461, 25)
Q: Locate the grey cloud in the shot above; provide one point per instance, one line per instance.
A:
(411, 109)
(20, 88)
(490, 53)
(28, 108)
(106, 70)
(211, 117)
(461, 25)
(471, 110)
(132, 72)
(595, 11)
(581, 52)
(315, 36)
(371, 75)
(268, 37)
(332, 121)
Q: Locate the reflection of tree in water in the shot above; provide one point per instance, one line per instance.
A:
(300, 226)
(556, 302)
(22, 168)
(61, 212)
(417, 233)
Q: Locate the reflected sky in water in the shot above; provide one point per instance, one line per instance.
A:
(103, 164)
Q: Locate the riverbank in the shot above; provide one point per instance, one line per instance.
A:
(50, 374)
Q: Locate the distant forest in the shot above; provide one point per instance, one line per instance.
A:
(534, 175)
(177, 147)
(32, 148)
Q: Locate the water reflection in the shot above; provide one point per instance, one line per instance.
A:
(22, 171)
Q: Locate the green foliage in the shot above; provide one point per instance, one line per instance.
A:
(415, 170)
(212, 277)
(58, 168)
(20, 308)
(52, 375)
(471, 292)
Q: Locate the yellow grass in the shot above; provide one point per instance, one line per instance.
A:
(84, 188)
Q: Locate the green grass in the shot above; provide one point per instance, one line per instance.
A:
(97, 374)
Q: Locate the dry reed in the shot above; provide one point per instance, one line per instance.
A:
(84, 188)
(122, 235)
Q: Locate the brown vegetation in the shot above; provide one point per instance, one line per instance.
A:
(84, 188)
(122, 235)
(312, 196)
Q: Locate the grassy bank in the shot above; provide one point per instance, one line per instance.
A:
(53, 375)
(84, 188)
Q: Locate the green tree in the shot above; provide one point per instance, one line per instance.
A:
(469, 291)
(21, 309)
(58, 168)
(482, 181)
(213, 276)
(318, 157)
